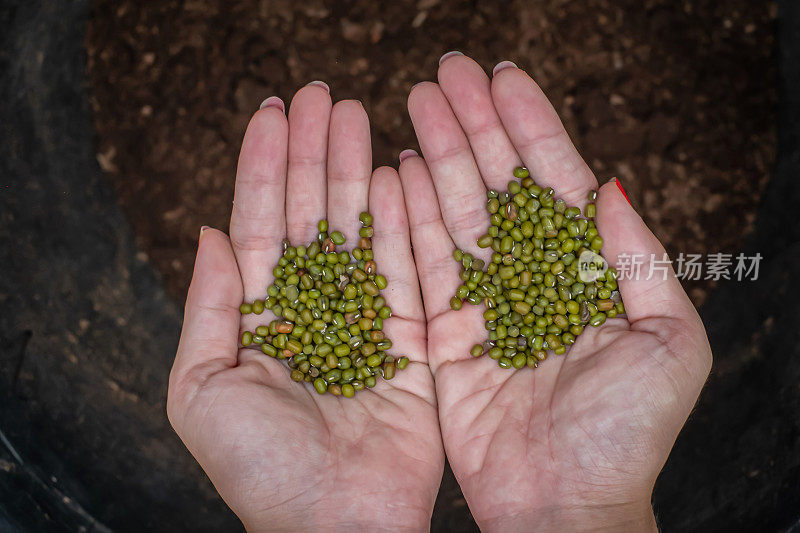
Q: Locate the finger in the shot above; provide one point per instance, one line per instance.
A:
(257, 221)
(626, 237)
(459, 187)
(433, 247)
(538, 135)
(309, 117)
(391, 244)
(209, 338)
(469, 92)
(349, 167)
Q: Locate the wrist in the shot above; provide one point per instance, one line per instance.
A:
(632, 516)
(391, 518)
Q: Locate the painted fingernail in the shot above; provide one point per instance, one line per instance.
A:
(622, 190)
(405, 154)
(318, 83)
(502, 66)
(273, 101)
(448, 55)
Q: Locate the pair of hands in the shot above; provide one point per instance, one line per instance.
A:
(574, 445)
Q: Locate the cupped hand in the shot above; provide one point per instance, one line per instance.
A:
(577, 443)
(282, 456)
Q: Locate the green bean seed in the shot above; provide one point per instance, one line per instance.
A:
(338, 238)
(330, 313)
(597, 319)
(269, 350)
(521, 172)
(247, 338)
(369, 287)
(531, 289)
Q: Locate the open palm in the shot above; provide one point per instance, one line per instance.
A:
(282, 456)
(578, 442)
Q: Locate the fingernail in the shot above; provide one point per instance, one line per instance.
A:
(405, 154)
(203, 229)
(503, 65)
(622, 190)
(448, 55)
(273, 101)
(413, 86)
(318, 83)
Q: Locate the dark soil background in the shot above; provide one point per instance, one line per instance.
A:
(674, 98)
(146, 108)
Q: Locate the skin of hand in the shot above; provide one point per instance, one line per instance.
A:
(577, 443)
(282, 456)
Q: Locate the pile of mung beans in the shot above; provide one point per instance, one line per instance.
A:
(536, 299)
(330, 313)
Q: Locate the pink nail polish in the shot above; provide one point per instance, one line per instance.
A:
(273, 101)
(405, 154)
(321, 84)
(502, 66)
(448, 55)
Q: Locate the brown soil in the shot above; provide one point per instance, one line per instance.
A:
(674, 98)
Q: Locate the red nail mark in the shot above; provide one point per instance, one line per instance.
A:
(622, 190)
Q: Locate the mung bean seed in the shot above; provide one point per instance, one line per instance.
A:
(330, 314)
(534, 300)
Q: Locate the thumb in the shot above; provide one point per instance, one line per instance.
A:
(209, 339)
(654, 300)
(647, 282)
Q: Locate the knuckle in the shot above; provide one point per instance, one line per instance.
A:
(466, 220)
(268, 241)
